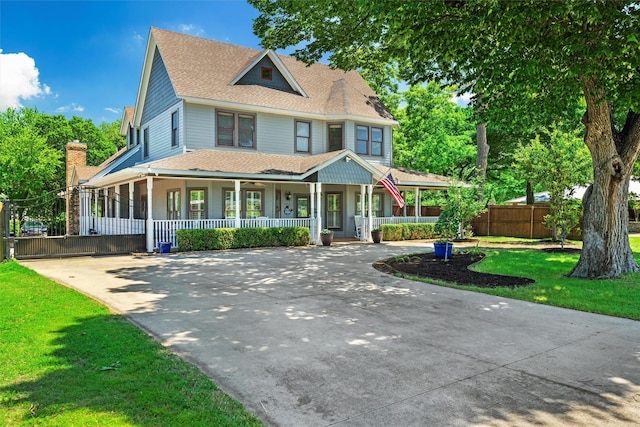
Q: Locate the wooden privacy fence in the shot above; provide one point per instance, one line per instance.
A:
(524, 221)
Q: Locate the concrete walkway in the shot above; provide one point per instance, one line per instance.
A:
(317, 337)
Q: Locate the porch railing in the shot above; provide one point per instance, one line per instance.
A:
(165, 230)
(362, 223)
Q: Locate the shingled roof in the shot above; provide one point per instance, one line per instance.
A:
(202, 69)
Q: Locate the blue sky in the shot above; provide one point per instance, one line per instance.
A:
(84, 58)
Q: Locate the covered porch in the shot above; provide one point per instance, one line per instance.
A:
(337, 191)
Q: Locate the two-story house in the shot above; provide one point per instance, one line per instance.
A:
(228, 136)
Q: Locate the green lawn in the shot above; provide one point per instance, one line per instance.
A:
(616, 297)
(65, 360)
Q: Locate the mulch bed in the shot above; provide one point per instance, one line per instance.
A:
(455, 269)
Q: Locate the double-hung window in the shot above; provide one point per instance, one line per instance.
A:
(197, 203)
(145, 142)
(236, 129)
(369, 140)
(174, 129)
(376, 205)
(173, 204)
(251, 203)
(303, 137)
(336, 139)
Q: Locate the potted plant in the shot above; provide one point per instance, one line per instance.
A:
(326, 237)
(376, 235)
(446, 229)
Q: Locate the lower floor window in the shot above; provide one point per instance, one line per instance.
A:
(173, 204)
(251, 205)
(376, 205)
(334, 210)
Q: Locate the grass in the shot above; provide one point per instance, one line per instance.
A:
(65, 360)
(615, 297)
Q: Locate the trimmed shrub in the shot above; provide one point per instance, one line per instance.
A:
(232, 238)
(408, 231)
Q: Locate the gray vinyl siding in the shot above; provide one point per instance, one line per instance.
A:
(160, 134)
(160, 92)
(254, 77)
(343, 172)
(200, 122)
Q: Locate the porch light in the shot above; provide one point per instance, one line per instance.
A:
(288, 195)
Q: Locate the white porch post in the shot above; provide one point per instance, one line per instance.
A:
(404, 208)
(417, 212)
(319, 211)
(238, 201)
(369, 212)
(363, 235)
(312, 212)
(150, 242)
(116, 214)
(131, 196)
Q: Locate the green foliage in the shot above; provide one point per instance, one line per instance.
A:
(33, 149)
(233, 238)
(460, 207)
(557, 161)
(408, 231)
(435, 134)
(66, 360)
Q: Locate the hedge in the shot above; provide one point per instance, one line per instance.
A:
(233, 238)
(408, 231)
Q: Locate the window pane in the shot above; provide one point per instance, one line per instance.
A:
(302, 129)
(196, 204)
(229, 204)
(361, 147)
(225, 137)
(225, 121)
(253, 204)
(302, 207)
(302, 144)
(225, 129)
(334, 211)
(247, 126)
(376, 141)
(335, 137)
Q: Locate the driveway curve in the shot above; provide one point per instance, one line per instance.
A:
(317, 337)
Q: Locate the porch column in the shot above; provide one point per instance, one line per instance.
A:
(367, 236)
(312, 212)
(363, 235)
(131, 195)
(319, 211)
(116, 214)
(404, 208)
(150, 242)
(238, 201)
(417, 212)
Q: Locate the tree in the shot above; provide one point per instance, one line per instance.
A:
(435, 134)
(27, 164)
(526, 61)
(558, 161)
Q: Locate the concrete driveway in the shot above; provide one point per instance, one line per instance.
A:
(316, 337)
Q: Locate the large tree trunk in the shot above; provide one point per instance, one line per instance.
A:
(606, 251)
(531, 198)
(482, 157)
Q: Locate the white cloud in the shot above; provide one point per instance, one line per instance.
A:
(137, 37)
(462, 99)
(194, 30)
(113, 110)
(19, 80)
(71, 107)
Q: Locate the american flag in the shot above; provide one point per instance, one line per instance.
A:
(390, 185)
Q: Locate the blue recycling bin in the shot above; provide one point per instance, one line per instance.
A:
(165, 247)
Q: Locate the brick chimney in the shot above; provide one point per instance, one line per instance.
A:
(76, 156)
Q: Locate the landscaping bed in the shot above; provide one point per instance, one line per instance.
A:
(455, 269)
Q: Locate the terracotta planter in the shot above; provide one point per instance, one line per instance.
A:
(326, 239)
(376, 236)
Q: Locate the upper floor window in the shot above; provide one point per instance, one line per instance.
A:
(266, 73)
(145, 143)
(303, 136)
(236, 130)
(131, 142)
(369, 140)
(174, 129)
(336, 140)
(137, 136)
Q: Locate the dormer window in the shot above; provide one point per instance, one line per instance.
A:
(266, 73)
